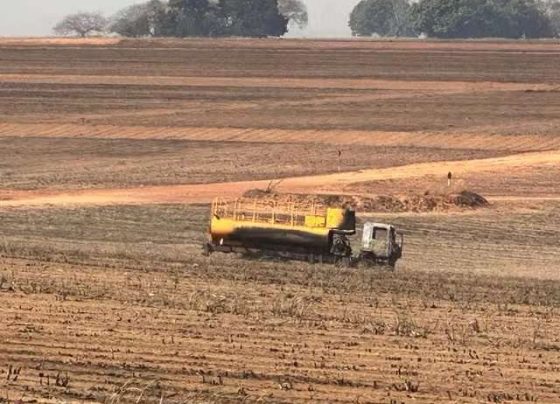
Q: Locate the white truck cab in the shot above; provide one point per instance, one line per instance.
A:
(381, 244)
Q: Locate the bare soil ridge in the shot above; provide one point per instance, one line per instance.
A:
(443, 140)
(338, 83)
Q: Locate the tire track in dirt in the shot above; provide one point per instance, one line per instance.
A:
(204, 193)
(440, 140)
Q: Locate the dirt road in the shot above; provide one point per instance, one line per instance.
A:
(203, 193)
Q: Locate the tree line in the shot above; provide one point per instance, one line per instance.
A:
(385, 18)
(184, 18)
(457, 18)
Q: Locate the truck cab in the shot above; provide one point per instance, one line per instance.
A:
(381, 244)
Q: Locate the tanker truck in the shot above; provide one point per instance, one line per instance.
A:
(299, 231)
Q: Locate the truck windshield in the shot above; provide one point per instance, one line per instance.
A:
(380, 234)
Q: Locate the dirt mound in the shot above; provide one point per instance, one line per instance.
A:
(426, 202)
(322, 199)
(442, 202)
(470, 199)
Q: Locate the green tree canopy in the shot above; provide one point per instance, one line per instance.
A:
(139, 20)
(381, 17)
(481, 18)
(183, 18)
(552, 10)
(193, 18)
(253, 18)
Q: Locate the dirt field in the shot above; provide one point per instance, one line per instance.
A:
(36, 163)
(111, 151)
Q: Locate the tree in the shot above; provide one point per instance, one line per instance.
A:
(381, 17)
(552, 10)
(185, 18)
(81, 24)
(458, 18)
(295, 11)
(253, 18)
(193, 18)
(527, 18)
(139, 20)
(481, 18)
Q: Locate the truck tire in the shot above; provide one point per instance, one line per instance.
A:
(206, 249)
(344, 262)
(311, 259)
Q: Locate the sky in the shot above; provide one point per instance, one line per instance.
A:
(327, 18)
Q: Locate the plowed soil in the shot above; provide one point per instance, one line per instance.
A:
(338, 182)
(112, 149)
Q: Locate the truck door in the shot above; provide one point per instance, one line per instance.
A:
(381, 245)
(376, 240)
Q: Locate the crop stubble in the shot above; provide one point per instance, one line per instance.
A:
(108, 302)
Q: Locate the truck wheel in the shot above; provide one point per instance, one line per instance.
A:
(206, 249)
(367, 261)
(311, 259)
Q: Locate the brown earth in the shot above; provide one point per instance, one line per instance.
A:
(43, 162)
(204, 193)
(538, 181)
(424, 202)
(479, 142)
(120, 300)
(111, 150)
(293, 85)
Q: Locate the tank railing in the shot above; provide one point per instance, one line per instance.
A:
(287, 213)
(224, 207)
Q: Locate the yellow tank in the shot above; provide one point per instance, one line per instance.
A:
(270, 225)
